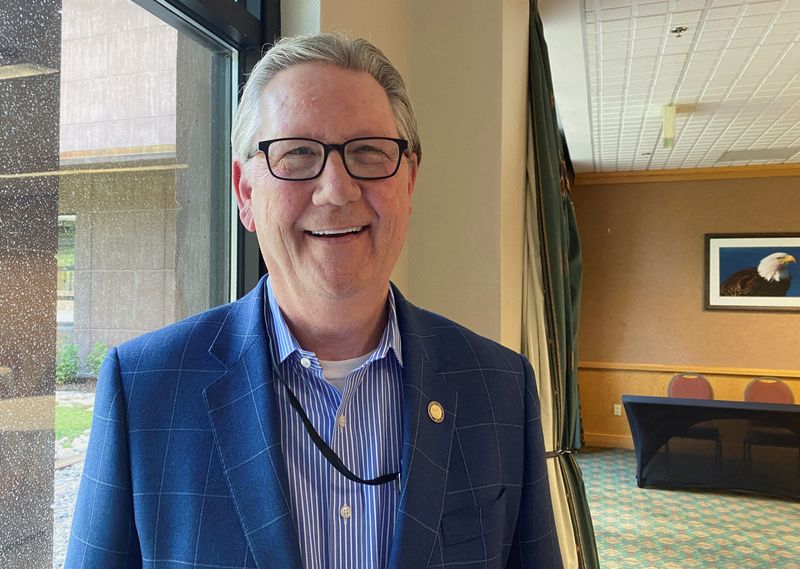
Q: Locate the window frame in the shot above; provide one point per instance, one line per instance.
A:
(229, 23)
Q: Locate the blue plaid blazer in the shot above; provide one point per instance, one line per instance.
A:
(184, 466)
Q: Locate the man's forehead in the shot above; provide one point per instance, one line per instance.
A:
(311, 82)
(322, 94)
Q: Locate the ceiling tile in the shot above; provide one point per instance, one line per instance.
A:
(710, 34)
(762, 20)
(614, 26)
(740, 41)
(777, 38)
(710, 45)
(727, 12)
(608, 4)
(752, 32)
(615, 14)
(684, 5)
(651, 22)
(657, 8)
(717, 3)
(793, 17)
(761, 7)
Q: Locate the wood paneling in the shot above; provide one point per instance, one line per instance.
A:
(602, 384)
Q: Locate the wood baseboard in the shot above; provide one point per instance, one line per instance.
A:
(608, 441)
(687, 174)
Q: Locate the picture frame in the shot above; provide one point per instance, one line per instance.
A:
(733, 280)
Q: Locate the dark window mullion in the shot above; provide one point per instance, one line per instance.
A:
(227, 19)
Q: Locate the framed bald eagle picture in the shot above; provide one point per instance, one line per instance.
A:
(753, 271)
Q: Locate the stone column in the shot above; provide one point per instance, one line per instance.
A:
(201, 189)
(29, 145)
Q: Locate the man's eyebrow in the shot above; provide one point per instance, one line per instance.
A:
(370, 133)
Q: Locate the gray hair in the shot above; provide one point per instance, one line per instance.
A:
(336, 48)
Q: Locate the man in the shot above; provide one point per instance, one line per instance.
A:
(322, 421)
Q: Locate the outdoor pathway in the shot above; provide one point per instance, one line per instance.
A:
(66, 490)
(76, 451)
(69, 466)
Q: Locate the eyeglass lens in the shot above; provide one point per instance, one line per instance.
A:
(299, 159)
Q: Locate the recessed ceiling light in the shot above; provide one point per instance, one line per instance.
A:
(668, 127)
(758, 154)
(20, 70)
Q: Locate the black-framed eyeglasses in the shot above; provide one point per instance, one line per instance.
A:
(365, 158)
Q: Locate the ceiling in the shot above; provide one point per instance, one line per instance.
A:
(733, 74)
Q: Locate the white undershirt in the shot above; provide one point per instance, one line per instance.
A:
(336, 372)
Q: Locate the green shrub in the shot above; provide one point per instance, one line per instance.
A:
(95, 357)
(67, 362)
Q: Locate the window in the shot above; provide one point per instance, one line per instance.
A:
(116, 218)
(65, 277)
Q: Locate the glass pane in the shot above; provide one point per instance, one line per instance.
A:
(114, 220)
(65, 278)
(254, 7)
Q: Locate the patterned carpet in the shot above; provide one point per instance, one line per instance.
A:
(677, 529)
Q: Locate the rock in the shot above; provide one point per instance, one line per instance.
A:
(65, 453)
(67, 481)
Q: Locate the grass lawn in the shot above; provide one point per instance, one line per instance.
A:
(71, 422)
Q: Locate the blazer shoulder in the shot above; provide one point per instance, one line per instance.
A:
(172, 344)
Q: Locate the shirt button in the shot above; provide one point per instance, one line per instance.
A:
(341, 421)
(346, 512)
(305, 362)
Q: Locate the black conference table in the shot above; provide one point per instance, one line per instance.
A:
(697, 443)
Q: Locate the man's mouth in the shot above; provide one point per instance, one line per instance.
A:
(337, 233)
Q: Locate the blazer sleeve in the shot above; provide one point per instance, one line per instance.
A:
(103, 529)
(535, 540)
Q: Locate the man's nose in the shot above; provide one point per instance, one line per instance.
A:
(334, 185)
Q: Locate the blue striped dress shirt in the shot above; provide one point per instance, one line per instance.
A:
(342, 524)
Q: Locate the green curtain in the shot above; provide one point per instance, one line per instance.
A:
(550, 322)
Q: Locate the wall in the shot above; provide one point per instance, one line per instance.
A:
(642, 316)
(465, 65)
(462, 84)
(125, 244)
(111, 97)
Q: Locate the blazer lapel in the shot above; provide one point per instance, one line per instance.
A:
(426, 446)
(244, 417)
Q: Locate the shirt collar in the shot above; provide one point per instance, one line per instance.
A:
(287, 344)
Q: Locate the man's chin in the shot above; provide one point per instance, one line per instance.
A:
(341, 285)
(335, 281)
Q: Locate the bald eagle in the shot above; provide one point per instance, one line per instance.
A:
(770, 278)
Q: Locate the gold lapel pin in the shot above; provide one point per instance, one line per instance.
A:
(436, 411)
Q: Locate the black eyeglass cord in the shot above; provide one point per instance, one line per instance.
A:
(327, 451)
(318, 441)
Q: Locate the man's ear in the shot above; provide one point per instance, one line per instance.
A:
(413, 170)
(244, 195)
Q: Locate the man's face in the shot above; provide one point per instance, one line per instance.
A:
(333, 105)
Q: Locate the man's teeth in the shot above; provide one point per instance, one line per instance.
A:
(323, 232)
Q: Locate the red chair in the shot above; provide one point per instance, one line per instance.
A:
(768, 390)
(696, 386)
(690, 386)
